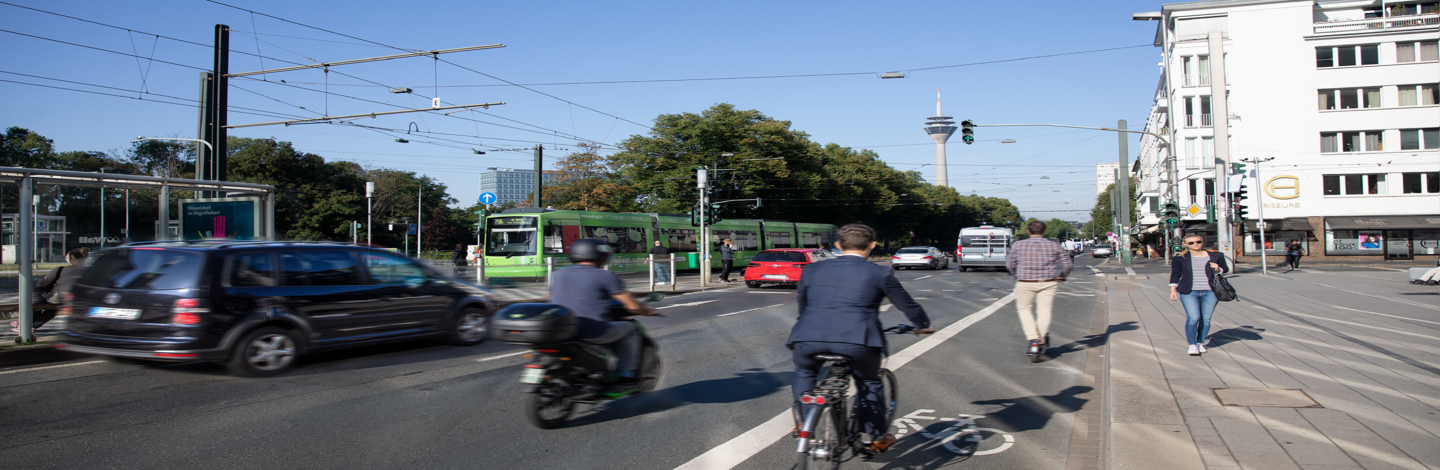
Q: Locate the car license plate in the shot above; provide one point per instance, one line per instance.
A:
(781, 277)
(532, 376)
(116, 313)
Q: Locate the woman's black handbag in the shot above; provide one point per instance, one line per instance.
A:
(1222, 288)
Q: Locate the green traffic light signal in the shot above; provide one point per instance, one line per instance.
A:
(1237, 168)
(967, 131)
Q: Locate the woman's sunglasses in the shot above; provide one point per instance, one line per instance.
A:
(1194, 243)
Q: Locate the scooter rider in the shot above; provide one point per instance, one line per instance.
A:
(587, 291)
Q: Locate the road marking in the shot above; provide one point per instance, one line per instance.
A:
(751, 310)
(769, 292)
(886, 307)
(1080, 295)
(1373, 296)
(1130, 271)
(49, 367)
(691, 304)
(925, 290)
(919, 278)
(502, 356)
(1097, 271)
(746, 445)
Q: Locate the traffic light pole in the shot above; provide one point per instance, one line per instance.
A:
(1260, 212)
(702, 183)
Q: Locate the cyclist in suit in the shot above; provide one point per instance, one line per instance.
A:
(840, 313)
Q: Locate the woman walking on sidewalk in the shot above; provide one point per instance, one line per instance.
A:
(1190, 284)
(1293, 251)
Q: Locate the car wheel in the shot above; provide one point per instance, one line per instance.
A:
(752, 284)
(264, 352)
(470, 327)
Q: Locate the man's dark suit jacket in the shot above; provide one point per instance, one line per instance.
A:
(840, 302)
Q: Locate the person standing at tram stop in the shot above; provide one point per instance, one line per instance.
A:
(727, 259)
(1293, 251)
(662, 270)
(1190, 275)
(1039, 265)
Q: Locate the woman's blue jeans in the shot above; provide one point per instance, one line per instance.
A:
(1199, 305)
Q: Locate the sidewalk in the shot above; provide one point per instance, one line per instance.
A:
(1363, 346)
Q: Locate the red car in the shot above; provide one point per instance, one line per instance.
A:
(781, 265)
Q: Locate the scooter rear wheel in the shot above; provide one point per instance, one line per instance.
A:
(549, 405)
(649, 370)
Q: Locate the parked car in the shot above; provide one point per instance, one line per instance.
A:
(1102, 251)
(258, 306)
(781, 265)
(919, 257)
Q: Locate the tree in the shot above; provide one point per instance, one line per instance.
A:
(1101, 216)
(315, 200)
(1055, 229)
(585, 181)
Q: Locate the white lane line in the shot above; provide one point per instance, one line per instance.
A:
(1081, 282)
(1130, 271)
(925, 290)
(691, 304)
(919, 278)
(502, 356)
(1079, 295)
(769, 292)
(3, 372)
(886, 307)
(751, 310)
(744, 446)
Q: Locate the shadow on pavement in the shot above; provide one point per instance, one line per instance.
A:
(1032, 412)
(742, 387)
(1090, 342)
(940, 444)
(1231, 335)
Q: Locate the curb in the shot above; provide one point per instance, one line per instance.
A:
(34, 354)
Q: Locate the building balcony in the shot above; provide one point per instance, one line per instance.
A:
(1205, 120)
(1370, 24)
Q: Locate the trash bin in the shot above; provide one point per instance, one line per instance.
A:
(693, 258)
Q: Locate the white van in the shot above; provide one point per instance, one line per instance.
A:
(983, 246)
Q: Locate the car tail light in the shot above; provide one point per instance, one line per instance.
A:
(548, 351)
(926, 257)
(894, 257)
(65, 309)
(175, 355)
(186, 311)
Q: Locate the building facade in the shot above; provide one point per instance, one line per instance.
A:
(508, 184)
(1340, 98)
(1105, 176)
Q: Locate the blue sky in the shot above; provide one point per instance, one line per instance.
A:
(566, 42)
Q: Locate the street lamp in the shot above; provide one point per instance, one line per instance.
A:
(407, 235)
(103, 169)
(369, 206)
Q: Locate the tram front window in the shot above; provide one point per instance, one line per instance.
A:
(512, 236)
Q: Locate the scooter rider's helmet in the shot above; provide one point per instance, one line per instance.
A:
(590, 249)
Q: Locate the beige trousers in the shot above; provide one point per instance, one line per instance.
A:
(1040, 296)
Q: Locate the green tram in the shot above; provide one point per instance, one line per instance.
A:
(519, 240)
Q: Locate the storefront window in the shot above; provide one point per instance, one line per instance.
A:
(1275, 242)
(1355, 242)
(1426, 242)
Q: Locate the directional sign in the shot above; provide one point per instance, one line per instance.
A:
(412, 228)
(487, 198)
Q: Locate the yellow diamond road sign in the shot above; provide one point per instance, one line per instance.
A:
(1194, 209)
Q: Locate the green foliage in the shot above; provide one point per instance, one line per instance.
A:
(1055, 229)
(1101, 215)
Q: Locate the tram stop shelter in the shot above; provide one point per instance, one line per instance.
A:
(28, 178)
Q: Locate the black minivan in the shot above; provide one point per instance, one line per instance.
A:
(257, 306)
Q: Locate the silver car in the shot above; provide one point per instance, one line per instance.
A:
(1101, 251)
(919, 257)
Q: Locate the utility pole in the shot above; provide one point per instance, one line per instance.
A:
(1220, 119)
(1260, 210)
(1122, 183)
(703, 184)
(419, 219)
(539, 162)
(369, 208)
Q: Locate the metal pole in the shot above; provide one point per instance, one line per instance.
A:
(25, 258)
(419, 219)
(205, 132)
(673, 279)
(270, 216)
(539, 162)
(370, 220)
(1122, 183)
(704, 235)
(127, 214)
(1260, 214)
(164, 232)
(652, 271)
(102, 213)
(221, 104)
(1220, 119)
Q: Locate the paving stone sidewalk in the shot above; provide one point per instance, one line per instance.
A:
(1362, 345)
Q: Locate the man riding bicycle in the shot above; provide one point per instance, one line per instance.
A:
(588, 291)
(839, 313)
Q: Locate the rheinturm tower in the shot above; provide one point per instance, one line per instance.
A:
(940, 127)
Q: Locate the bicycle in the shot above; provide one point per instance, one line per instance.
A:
(823, 411)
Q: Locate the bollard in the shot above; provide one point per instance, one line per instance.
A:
(673, 279)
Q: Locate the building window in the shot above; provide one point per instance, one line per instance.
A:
(1354, 185)
(1347, 56)
(1416, 139)
(1203, 64)
(1192, 154)
(1349, 142)
(1207, 152)
(1205, 119)
(1411, 183)
(1419, 95)
(1324, 57)
(1189, 111)
(1185, 67)
(1349, 98)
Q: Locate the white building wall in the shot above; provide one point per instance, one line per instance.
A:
(1105, 176)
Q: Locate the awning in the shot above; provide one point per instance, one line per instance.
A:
(1200, 227)
(1293, 224)
(1389, 222)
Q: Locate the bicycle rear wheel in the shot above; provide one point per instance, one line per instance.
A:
(827, 440)
(892, 395)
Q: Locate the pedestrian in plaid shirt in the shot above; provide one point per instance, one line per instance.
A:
(1039, 265)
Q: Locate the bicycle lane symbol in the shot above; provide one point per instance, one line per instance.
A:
(963, 429)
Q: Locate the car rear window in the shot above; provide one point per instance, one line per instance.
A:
(780, 256)
(252, 270)
(999, 241)
(145, 268)
(912, 251)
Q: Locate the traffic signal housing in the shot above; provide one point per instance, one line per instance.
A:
(713, 215)
(1237, 168)
(1241, 211)
(967, 131)
(1170, 214)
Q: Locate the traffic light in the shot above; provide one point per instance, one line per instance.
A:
(1210, 214)
(695, 215)
(1241, 212)
(713, 217)
(967, 131)
(1170, 214)
(1237, 168)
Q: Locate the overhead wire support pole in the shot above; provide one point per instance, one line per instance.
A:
(365, 115)
(371, 59)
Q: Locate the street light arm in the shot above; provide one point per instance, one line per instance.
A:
(207, 144)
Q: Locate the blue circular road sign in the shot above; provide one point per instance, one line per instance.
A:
(487, 198)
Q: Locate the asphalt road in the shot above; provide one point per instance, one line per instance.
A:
(727, 374)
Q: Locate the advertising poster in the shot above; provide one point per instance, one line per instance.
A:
(1370, 240)
(233, 218)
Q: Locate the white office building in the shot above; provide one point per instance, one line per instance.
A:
(1105, 176)
(508, 184)
(1341, 96)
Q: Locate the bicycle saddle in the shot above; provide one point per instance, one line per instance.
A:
(831, 357)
